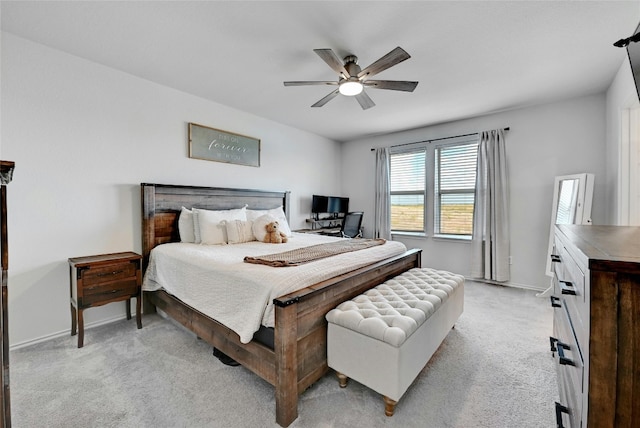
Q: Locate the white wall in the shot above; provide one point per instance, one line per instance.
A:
(545, 141)
(620, 96)
(84, 137)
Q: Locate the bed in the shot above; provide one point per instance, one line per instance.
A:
(297, 357)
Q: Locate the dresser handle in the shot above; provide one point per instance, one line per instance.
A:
(552, 342)
(562, 359)
(566, 287)
(115, 272)
(555, 258)
(555, 302)
(560, 409)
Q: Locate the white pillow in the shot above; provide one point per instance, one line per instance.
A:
(277, 213)
(209, 226)
(259, 226)
(239, 231)
(185, 226)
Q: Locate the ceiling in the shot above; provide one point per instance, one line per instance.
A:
(470, 57)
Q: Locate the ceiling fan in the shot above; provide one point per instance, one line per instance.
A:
(352, 80)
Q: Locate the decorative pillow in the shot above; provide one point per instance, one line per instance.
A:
(185, 226)
(209, 226)
(277, 213)
(239, 231)
(259, 226)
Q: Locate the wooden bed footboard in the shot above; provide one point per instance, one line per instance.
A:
(299, 357)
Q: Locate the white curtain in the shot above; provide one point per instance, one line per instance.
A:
(382, 225)
(490, 241)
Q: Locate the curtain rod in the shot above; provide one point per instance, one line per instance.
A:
(439, 139)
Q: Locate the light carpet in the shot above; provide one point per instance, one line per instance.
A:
(494, 369)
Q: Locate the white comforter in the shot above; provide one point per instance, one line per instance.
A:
(214, 279)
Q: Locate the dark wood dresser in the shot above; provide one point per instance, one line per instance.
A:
(596, 325)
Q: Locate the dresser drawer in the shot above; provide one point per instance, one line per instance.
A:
(102, 274)
(569, 283)
(570, 275)
(569, 364)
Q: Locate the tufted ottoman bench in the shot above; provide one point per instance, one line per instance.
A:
(384, 337)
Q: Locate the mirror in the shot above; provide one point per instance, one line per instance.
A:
(567, 201)
(572, 196)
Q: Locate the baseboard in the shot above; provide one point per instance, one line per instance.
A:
(509, 284)
(65, 332)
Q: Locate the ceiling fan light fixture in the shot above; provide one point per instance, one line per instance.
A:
(352, 79)
(350, 87)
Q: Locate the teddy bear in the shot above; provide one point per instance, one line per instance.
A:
(274, 236)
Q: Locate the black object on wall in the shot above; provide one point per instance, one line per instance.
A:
(633, 50)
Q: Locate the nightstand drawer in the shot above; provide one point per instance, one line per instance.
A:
(108, 273)
(104, 292)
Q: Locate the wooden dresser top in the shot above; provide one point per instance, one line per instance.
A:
(620, 244)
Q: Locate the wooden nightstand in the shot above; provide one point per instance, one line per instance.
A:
(98, 280)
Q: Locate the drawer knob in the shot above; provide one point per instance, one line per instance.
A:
(555, 302)
(567, 287)
(560, 409)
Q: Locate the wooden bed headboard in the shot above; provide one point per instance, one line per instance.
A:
(161, 205)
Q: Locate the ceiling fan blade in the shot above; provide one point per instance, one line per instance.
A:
(389, 60)
(326, 99)
(364, 100)
(333, 61)
(312, 82)
(394, 85)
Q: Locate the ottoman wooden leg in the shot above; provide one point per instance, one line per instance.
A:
(342, 379)
(389, 405)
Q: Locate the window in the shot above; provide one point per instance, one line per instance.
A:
(448, 187)
(454, 190)
(408, 185)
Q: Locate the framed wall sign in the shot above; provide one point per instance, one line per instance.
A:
(222, 146)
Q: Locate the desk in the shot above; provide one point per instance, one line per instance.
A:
(319, 231)
(325, 223)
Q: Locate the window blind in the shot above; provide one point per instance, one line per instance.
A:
(407, 186)
(455, 177)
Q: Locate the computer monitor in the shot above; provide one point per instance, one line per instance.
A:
(319, 204)
(335, 205)
(338, 205)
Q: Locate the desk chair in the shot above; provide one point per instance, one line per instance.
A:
(352, 225)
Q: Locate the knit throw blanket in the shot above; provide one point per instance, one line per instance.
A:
(314, 252)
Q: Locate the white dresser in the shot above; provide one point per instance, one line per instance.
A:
(596, 325)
